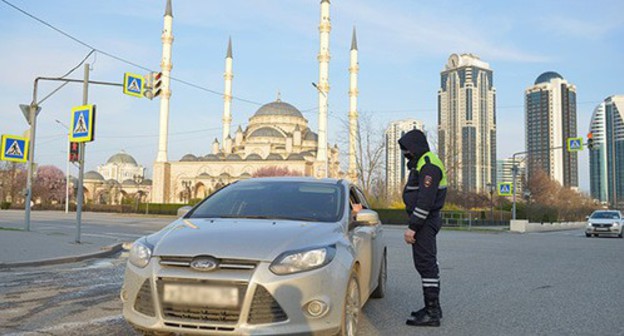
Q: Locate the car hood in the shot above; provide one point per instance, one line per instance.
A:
(252, 239)
(603, 221)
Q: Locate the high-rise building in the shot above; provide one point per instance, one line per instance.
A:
(550, 112)
(467, 123)
(504, 173)
(396, 164)
(606, 161)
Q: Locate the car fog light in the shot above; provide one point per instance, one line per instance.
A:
(317, 308)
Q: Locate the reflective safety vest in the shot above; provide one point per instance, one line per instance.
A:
(434, 160)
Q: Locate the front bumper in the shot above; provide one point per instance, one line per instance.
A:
(612, 230)
(269, 304)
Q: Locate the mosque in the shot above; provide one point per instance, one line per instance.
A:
(277, 135)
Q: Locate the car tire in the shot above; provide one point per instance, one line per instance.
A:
(621, 235)
(587, 235)
(351, 308)
(382, 279)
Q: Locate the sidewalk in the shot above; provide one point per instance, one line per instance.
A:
(45, 246)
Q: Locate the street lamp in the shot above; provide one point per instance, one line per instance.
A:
(491, 186)
(66, 166)
(138, 179)
(323, 130)
(187, 190)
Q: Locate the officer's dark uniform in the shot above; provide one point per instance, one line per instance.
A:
(424, 196)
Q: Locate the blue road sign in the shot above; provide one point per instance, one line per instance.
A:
(14, 148)
(575, 144)
(504, 189)
(133, 84)
(82, 123)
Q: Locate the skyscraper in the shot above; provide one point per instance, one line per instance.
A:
(467, 123)
(504, 173)
(550, 111)
(396, 169)
(606, 161)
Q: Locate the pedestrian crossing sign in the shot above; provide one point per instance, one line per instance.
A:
(505, 189)
(14, 148)
(133, 84)
(575, 144)
(82, 124)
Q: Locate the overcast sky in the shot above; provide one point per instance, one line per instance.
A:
(403, 45)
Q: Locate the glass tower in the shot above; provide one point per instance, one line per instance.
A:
(606, 161)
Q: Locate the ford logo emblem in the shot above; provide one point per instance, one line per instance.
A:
(204, 264)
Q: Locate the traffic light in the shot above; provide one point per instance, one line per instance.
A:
(156, 89)
(74, 152)
(590, 140)
(153, 85)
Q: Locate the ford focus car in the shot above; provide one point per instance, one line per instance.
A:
(605, 222)
(275, 256)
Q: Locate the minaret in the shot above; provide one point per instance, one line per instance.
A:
(165, 65)
(227, 94)
(353, 115)
(323, 88)
(161, 185)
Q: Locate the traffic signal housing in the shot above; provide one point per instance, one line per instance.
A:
(74, 152)
(590, 140)
(153, 85)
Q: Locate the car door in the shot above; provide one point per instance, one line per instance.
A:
(362, 240)
(377, 242)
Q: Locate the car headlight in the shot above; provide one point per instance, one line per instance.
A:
(140, 254)
(303, 260)
(616, 224)
(589, 224)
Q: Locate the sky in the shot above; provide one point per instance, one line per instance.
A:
(403, 47)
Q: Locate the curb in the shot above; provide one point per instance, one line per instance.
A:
(104, 252)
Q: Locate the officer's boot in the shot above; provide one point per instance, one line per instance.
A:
(431, 292)
(422, 311)
(431, 318)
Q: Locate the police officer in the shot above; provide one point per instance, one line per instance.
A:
(424, 196)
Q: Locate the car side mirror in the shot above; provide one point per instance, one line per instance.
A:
(184, 210)
(367, 217)
(586, 217)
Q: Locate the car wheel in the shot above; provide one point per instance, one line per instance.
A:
(621, 234)
(380, 291)
(587, 235)
(351, 309)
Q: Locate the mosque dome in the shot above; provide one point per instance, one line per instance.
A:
(189, 157)
(547, 77)
(253, 157)
(93, 175)
(122, 157)
(274, 157)
(266, 132)
(310, 136)
(278, 108)
(295, 157)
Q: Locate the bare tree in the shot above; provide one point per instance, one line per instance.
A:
(275, 171)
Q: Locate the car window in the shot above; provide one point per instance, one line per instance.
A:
(362, 199)
(308, 201)
(605, 215)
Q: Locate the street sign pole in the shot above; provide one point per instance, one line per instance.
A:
(85, 98)
(33, 110)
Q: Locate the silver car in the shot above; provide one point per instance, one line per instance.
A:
(274, 256)
(607, 222)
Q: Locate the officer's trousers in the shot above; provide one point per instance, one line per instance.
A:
(424, 252)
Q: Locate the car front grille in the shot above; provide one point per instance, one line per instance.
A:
(224, 264)
(602, 225)
(265, 309)
(179, 313)
(144, 303)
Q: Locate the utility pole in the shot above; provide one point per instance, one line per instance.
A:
(80, 196)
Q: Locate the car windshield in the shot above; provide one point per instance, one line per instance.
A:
(308, 201)
(605, 215)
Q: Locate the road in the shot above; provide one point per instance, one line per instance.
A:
(558, 283)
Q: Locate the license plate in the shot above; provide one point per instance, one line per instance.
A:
(214, 296)
(602, 229)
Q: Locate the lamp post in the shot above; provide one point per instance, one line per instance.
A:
(491, 186)
(66, 166)
(138, 179)
(187, 190)
(324, 136)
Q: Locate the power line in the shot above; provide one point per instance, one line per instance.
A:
(119, 58)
